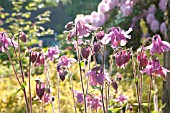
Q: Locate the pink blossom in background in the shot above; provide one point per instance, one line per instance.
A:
(102, 7)
(126, 7)
(100, 35)
(154, 68)
(163, 4)
(64, 61)
(87, 19)
(6, 41)
(158, 46)
(53, 52)
(79, 96)
(152, 9)
(150, 18)
(48, 98)
(163, 28)
(98, 19)
(121, 99)
(111, 3)
(96, 103)
(154, 26)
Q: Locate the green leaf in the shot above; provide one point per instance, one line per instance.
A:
(114, 110)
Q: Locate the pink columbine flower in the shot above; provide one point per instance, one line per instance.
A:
(96, 47)
(154, 68)
(121, 58)
(64, 61)
(37, 58)
(85, 52)
(116, 36)
(158, 46)
(81, 30)
(53, 52)
(40, 89)
(6, 41)
(142, 59)
(154, 26)
(48, 98)
(96, 77)
(126, 8)
(79, 96)
(121, 99)
(100, 35)
(96, 103)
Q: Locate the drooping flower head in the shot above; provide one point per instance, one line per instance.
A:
(40, 89)
(4, 41)
(37, 58)
(116, 36)
(53, 52)
(158, 46)
(85, 52)
(142, 59)
(48, 98)
(122, 57)
(154, 68)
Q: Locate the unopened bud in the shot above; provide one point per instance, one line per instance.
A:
(22, 37)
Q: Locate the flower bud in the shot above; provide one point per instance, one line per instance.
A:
(114, 85)
(22, 36)
(69, 25)
(96, 47)
(85, 52)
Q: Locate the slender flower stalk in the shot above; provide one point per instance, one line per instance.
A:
(58, 84)
(155, 97)
(149, 96)
(72, 90)
(42, 105)
(29, 82)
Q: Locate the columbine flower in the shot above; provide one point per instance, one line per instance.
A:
(6, 42)
(142, 59)
(85, 52)
(23, 37)
(154, 26)
(116, 36)
(62, 66)
(37, 58)
(81, 30)
(121, 99)
(100, 35)
(96, 47)
(154, 68)
(53, 53)
(126, 8)
(48, 98)
(96, 103)
(79, 96)
(40, 89)
(121, 58)
(158, 46)
(97, 77)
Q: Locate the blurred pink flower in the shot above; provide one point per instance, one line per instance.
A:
(121, 99)
(163, 28)
(53, 52)
(126, 8)
(100, 35)
(6, 41)
(102, 7)
(79, 96)
(163, 4)
(150, 18)
(48, 98)
(64, 61)
(96, 103)
(98, 19)
(85, 52)
(154, 26)
(158, 46)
